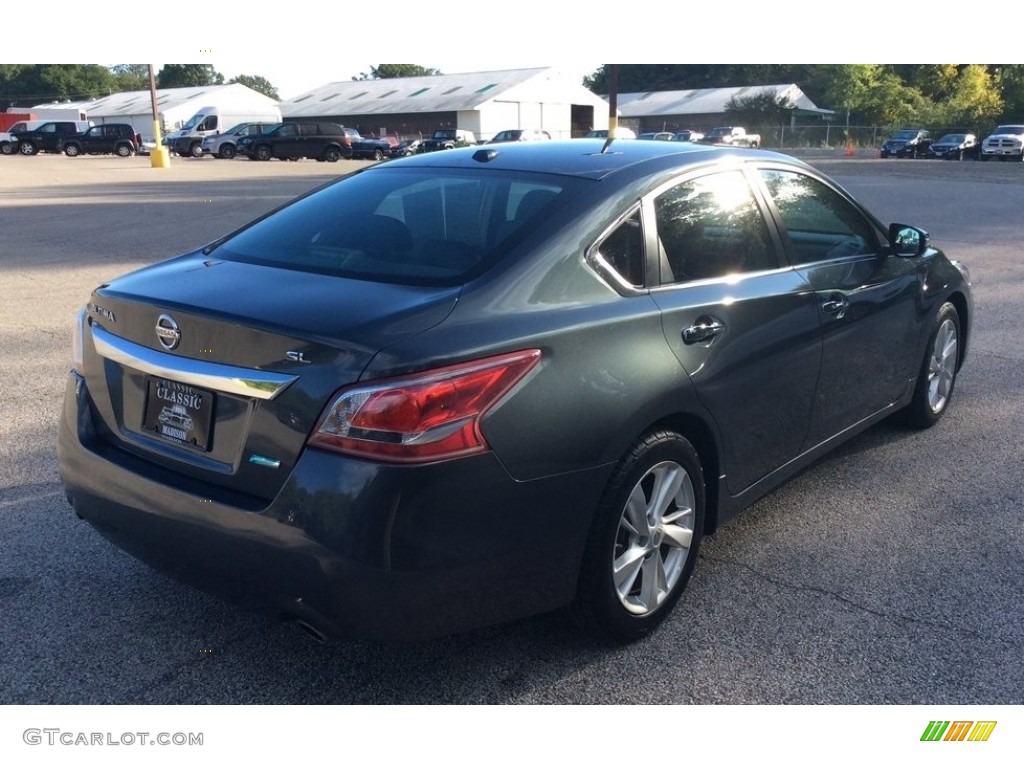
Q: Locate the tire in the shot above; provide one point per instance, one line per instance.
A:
(960, 154)
(27, 148)
(123, 150)
(263, 152)
(937, 376)
(226, 151)
(332, 155)
(196, 150)
(72, 150)
(632, 573)
(378, 155)
(6, 148)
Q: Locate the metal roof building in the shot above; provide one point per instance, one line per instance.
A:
(175, 105)
(481, 102)
(704, 107)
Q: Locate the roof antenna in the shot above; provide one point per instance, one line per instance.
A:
(613, 111)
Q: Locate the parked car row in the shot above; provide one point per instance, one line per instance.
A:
(1005, 143)
(72, 137)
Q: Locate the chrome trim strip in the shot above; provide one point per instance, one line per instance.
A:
(246, 382)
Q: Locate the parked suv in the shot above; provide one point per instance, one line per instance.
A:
(48, 136)
(225, 145)
(112, 138)
(448, 138)
(290, 141)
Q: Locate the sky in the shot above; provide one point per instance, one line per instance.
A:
(333, 42)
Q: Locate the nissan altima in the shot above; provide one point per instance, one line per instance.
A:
(465, 387)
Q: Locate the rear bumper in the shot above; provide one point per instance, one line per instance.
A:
(351, 547)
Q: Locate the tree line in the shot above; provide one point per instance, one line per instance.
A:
(26, 85)
(864, 94)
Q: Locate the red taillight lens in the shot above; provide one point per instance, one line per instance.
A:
(426, 417)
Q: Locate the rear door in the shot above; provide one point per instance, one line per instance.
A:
(743, 325)
(865, 297)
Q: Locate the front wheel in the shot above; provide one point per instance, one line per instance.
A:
(378, 155)
(643, 544)
(27, 148)
(196, 150)
(263, 152)
(226, 152)
(72, 150)
(937, 376)
(6, 148)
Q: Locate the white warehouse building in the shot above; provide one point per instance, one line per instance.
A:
(481, 102)
(174, 105)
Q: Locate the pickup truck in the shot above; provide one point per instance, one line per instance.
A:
(732, 136)
(1006, 142)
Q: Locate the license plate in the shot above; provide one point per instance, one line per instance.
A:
(178, 412)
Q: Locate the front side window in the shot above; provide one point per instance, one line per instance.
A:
(821, 224)
(711, 227)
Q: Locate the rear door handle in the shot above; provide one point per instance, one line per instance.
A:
(705, 329)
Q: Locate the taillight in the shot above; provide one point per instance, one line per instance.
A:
(425, 417)
(78, 341)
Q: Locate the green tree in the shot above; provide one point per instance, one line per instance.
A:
(973, 98)
(131, 77)
(188, 75)
(387, 71)
(763, 108)
(1009, 78)
(257, 83)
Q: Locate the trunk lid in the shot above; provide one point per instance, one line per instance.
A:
(219, 369)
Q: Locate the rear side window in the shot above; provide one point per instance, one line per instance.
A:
(404, 226)
(711, 227)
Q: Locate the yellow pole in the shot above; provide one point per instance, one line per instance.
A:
(160, 157)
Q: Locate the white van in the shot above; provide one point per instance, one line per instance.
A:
(209, 121)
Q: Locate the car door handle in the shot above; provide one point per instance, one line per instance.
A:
(836, 305)
(705, 329)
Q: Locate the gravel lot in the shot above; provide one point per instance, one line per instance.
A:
(888, 573)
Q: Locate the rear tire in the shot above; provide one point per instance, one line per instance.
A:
(123, 150)
(226, 152)
(643, 543)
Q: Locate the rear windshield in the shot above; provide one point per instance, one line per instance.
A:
(412, 226)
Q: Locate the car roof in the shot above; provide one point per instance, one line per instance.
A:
(578, 157)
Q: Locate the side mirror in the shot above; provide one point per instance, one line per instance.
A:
(906, 240)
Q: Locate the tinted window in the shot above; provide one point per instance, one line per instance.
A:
(821, 224)
(711, 227)
(623, 249)
(403, 226)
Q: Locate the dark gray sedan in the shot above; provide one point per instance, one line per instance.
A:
(470, 386)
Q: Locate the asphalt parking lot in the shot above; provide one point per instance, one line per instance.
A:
(888, 573)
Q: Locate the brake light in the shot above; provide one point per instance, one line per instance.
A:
(425, 417)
